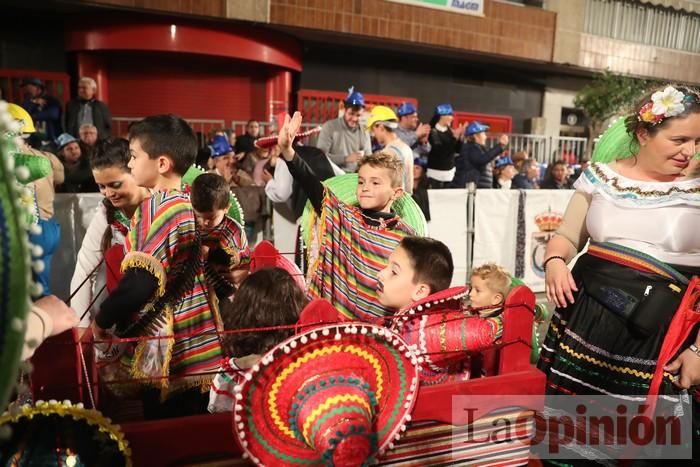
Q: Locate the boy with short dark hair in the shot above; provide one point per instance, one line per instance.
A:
(227, 253)
(418, 267)
(353, 242)
(163, 291)
(432, 316)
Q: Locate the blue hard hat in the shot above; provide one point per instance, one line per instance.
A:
(476, 127)
(406, 108)
(444, 109)
(354, 97)
(503, 161)
(220, 146)
(421, 161)
(64, 139)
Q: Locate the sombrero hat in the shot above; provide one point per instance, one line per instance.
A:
(59, 433)
(269, 141)
(235, 211)
(616, 143)
(345, 188)
(333, 395)
(441, 330)
(16, 215)
(265, 255)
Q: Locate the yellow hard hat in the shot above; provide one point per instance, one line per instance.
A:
(382, 113)
(18, 113)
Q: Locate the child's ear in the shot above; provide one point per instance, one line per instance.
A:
(398, 193)
(497, 299)
(421, 291)
(165, 165)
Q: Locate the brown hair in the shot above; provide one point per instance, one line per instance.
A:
(384, 160)
(209, 192)
(497, 279)
(431, 261)
(633, 123)
(268, 297)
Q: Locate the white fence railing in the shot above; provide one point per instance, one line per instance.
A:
(547, 149)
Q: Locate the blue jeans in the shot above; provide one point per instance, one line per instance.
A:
(48, 241)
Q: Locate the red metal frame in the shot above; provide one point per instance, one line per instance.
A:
(57, 84)
(177, 35)
(321, 106)
(200, 439)
(498, 123)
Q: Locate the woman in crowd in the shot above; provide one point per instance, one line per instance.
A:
(557, 177)
(615, 307)
(104, 238)
(444, 143)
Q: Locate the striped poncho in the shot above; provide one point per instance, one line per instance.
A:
(353, 248)
(162, 238)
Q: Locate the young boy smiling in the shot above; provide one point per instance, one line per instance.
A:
(354, 242)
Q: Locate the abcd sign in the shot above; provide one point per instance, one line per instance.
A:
(468, 7)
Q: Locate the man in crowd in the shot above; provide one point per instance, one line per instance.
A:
(86, 109)
(382, 123)
(343, 139)
(88, 139)
(246, 142)
(411, 131)
(44, 109)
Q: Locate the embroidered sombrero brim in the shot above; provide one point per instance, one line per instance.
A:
(235, 211)
(59, 433)
(345, 188)
(277, 408)
(15, 264)
(269, 141)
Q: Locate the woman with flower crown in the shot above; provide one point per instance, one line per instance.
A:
(613, 332)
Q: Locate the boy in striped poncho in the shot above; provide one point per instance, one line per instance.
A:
(354, 242)
(163, 291)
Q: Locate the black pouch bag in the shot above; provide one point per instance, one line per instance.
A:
(644, 304)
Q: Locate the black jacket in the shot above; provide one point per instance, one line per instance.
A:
(101, 117)
(443, 146)
(472, 165)
(521, 181)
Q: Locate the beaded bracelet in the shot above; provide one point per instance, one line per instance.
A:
(693, 348)
(544, 266)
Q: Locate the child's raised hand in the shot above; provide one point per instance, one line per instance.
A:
(287, 134)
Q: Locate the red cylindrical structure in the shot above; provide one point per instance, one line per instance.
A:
(278, 93)
(95, 67)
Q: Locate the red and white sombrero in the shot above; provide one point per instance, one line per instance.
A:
(441, 331)
(336, 394)
(269, 141)
(265, 255)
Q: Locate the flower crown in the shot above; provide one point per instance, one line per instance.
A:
(664, 104)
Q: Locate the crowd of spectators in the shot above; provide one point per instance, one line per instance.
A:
(436, 155)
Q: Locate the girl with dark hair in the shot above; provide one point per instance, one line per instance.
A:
(104, 238)
(557, 177)
(268, 297)
(626, 323)
(444, 144)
